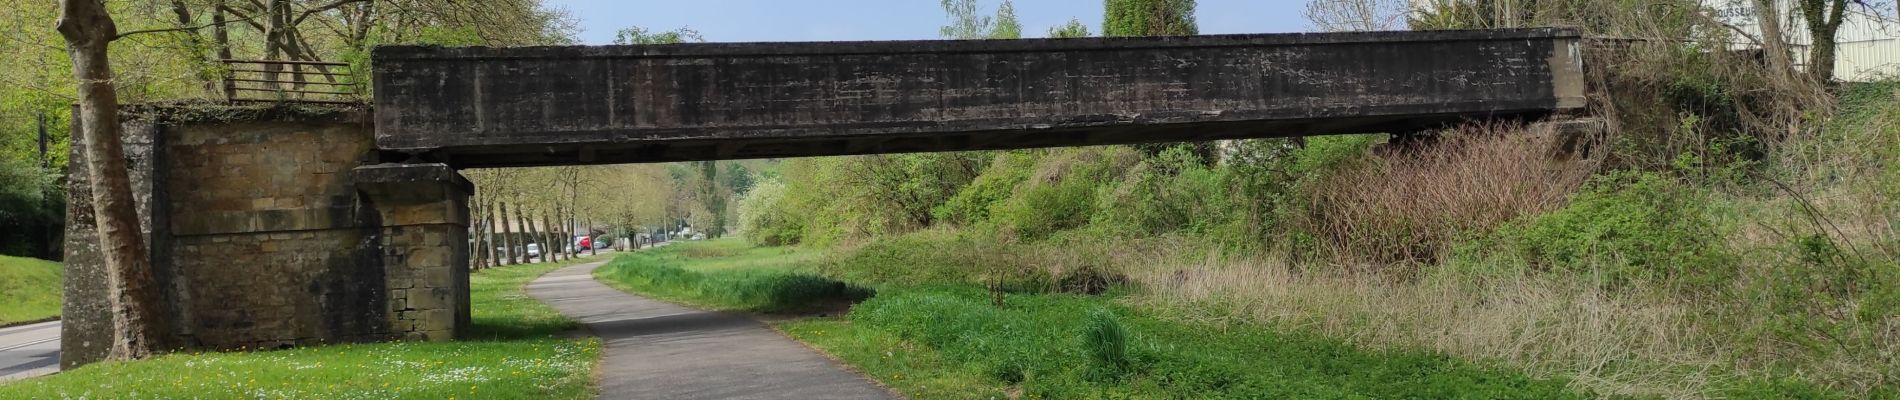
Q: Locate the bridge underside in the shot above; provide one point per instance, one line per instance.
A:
(723, 149)
(481, 107)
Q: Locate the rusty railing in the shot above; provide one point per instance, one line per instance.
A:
(290, 81)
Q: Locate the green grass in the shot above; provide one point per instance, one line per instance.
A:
(1072, 346)
(30, 289)
(947, 341)
(516, 352)
(728, 274)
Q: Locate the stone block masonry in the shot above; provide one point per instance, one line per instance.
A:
(264, 234)
(423, 211)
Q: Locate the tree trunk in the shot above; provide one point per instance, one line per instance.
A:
(595, 249)
(488, 233)
(475, 236)
(137, 326)
(508, 252)
(1773, 42)
(548, 250)
(1824, 18)
(526, 235)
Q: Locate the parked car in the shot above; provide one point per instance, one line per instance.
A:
(534, 250)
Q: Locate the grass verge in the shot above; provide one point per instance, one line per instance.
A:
(729, 275)
(515, 353)
(950, 341)
(30, 289)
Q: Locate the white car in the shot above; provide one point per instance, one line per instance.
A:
(534, 250)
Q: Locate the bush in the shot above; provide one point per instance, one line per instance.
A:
(1061, 192)
(1173, 191)
(1629, 226)
(32, 208)
(1413, 205)
(764, 217)
(973, 204)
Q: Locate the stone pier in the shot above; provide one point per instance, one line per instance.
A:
(274, 227)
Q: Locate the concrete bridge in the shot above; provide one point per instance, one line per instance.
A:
(291, 225)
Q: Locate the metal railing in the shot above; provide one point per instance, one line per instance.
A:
(290, 81)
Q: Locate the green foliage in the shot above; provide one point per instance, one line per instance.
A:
(927, 257)
(32, 207)
(1041, 211)
(667, 273)
(1073, 29)
(764, 218)
(843, 198)
(1149, 18)
(739, 178)
(1629, 227)
(639, 35)
(1170, 192)
(966, 23)
(30, 289)
(972, 205)
(1061, 194)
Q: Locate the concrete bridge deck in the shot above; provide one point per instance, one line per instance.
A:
(486, 107)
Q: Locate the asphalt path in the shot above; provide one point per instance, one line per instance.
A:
(659, 350)
(29, 350)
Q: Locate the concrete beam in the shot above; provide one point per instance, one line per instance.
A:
(607, 104)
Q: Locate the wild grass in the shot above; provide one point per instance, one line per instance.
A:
(514, 354)
(728, 274)
(948, 339)
(30, 289)
(1069, 346)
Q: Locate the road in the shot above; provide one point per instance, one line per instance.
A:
(658, 350)
(29, 350)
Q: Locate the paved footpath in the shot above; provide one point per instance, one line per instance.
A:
(658, 350)
(27, 351)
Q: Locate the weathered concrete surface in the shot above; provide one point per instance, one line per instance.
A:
(657, 350)
(265, 233)
(423, 211)
(601, 104)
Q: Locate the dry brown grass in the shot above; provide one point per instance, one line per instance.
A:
(1607, 343)
(1410, 205)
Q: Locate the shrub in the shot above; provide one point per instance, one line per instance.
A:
(765, 218)
(1629, 226)
(973, 204)
(32, 207)
(1170, 192)
(1412, 205)
(1061, 192)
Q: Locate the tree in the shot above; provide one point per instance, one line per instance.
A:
(1073, 29)
(738, 178)
(965, 23)
(1824, 18)
(1356, 15)
(1149, 18)
(137, 326)
(638, 35)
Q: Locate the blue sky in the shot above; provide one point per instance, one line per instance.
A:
(814, 20)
